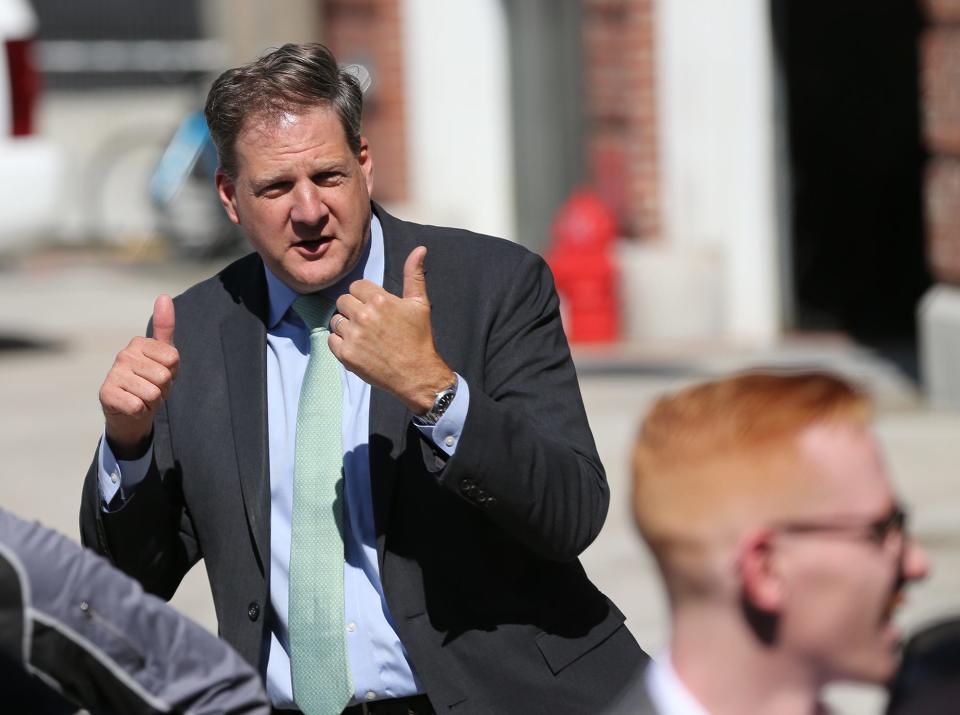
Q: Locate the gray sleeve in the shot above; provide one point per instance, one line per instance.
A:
(91, 633)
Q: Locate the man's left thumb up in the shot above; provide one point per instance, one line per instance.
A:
(414, 281)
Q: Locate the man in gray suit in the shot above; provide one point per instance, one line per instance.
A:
(470, 480)
(780, 541)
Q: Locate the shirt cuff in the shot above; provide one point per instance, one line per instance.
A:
(446, 433)
(119, 476)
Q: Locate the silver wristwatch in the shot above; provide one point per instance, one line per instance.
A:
(440, 404)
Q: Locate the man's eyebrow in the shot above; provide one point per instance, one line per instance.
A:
(258, 183)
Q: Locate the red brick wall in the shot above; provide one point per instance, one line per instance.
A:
(621, 111)
(940, 62)
(369, 32)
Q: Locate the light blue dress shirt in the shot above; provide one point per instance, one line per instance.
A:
(379, 664)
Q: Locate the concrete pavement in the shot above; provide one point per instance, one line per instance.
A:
(79, 309)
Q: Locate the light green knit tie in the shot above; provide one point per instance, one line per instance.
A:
(318, 652)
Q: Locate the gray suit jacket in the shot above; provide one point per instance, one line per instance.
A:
(72, 625)
(478, 553)
(634, 698)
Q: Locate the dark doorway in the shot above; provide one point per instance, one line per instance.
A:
(851, 91)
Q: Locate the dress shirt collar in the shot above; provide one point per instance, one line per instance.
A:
(668, 693)
(370, 266)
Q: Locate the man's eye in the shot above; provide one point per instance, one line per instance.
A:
(327, 178)
(276, 189)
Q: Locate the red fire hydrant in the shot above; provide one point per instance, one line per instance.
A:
(580, 257)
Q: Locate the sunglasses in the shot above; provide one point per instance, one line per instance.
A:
(878, 531)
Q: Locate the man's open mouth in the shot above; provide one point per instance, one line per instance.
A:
(312, 245)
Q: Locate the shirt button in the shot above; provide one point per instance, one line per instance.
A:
(114, 477)
(351, 627)
(448, 441)
(371, 695)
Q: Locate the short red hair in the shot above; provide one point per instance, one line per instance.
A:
(713, 458)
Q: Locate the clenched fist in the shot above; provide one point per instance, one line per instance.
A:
(138, 383)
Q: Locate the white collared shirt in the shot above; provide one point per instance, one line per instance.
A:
(668, 693)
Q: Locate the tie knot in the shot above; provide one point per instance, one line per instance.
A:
(315, 310)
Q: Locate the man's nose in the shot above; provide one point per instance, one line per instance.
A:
(308, 206)
(916, 563)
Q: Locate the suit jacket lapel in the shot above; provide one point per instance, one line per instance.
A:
(389, 417)
(243, 338)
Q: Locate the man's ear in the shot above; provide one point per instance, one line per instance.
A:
(227, 190)
(760, 575)
(366, 163)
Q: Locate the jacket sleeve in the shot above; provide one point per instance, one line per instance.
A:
(526, 455)
(150, 537)
(93, 634)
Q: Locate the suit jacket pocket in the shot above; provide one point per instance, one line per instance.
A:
(562, 649)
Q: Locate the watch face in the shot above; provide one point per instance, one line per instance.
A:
(444, 402)
(440, 406)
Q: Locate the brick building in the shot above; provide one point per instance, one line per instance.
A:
(765, 170)
(502, 107)
(765, 176)
(941, 92)
(940, 311)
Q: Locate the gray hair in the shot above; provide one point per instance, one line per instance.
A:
(294, 77)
